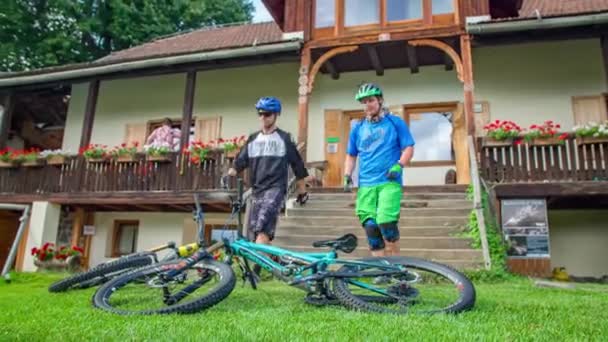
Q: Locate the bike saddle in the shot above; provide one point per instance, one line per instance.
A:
(346, 243)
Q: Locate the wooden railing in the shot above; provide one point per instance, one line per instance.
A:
(573, 159)
(177, 173)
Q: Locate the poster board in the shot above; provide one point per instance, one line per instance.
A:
(526, 228)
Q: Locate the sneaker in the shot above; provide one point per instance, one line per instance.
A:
(257, 269)
(381, 280)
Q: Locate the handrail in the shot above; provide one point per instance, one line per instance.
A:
(478, 204)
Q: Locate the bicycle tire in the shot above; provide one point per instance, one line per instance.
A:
(101, 299)
(466, 299)
(102, 273)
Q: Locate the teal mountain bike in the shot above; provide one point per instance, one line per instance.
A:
(393, 284)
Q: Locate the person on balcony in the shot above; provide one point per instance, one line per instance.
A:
(268, 153)
(165, 135)
(384, 145)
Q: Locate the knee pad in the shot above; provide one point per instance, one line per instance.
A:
(390, 232)
(374, 235)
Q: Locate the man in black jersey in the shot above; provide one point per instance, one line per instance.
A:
(268, 154)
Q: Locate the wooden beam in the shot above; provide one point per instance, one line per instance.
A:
(325, 57)
(304, 92)
(77, 224)
(375, 59)
(331, 69)
(89, 114)
(5, 121)
(467, 71)
(604, 45)
(412, 59)
(187, 109)
(447, 59)
(89, 220)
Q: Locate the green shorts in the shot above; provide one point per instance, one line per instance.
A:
(380, 202)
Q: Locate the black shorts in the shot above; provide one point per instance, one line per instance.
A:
(265, 210)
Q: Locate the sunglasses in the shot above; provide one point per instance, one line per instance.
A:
(265, 114)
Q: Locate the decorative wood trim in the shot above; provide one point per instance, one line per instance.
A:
(427, 12)
(445, 48)
(89, 220)
(77, 224)
(187, 109)
(326, 56)
(116, 234)
(304, 92)
(467, 74)
(89, 114)
(5, 124)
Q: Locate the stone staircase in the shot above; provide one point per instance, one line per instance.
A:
(431, 218)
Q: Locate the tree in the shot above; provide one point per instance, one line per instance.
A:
(40, 33)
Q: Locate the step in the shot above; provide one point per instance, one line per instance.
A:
(457, 188)
(404, 242)
(352, 221)
(406, 196)
(435, 203)
(334, 231)
(425, 253)
(405, 212)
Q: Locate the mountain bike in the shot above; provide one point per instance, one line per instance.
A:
(199, 281)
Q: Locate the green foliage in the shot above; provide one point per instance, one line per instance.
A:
(41, 33)
(496, 243)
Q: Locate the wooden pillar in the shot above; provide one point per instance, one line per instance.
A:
(7, 113)
(89, 114)
(469, 86)
(304, 93)
(89, 220)
(604, 45)
(187, 109)
(77, 226)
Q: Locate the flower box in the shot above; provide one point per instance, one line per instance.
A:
(32, 163)
(97, 160)
(56, 160)
(591, 140)
(158, 158)
(489, 142)
(232, 154)
(547, 141)
(7, 165)
(128, 158)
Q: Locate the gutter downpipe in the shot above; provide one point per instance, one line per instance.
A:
(533, 24)
(157, 62)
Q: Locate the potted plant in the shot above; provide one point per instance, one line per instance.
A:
(232, 146)
(501, 133)
(125, 153)
(49, 258)
(54, 157)
(7, 158)
(198, 152)
(95, 153)
(545, 135)
(30, 158)
(155, 153)
(591, 133)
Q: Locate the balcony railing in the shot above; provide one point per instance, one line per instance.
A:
(573, 159)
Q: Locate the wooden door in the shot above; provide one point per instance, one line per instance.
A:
(9, 223)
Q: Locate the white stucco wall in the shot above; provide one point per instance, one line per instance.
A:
(579, 240)
(75, 117)
(154, 229)
(43, 224)
(531, 83)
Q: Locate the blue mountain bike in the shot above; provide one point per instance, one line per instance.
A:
(377, 284)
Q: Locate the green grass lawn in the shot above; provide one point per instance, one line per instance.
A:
(514, 310)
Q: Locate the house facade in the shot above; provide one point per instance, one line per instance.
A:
(448, 67)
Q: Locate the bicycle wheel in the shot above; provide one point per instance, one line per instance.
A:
(102, 273)
(145, 291)
(422, 287)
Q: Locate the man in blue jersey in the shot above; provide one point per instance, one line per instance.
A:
(384, 145)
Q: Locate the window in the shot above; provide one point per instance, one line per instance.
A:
(399, 10)
(325, 15)
(124, 239)
(432, 131)
(443, 6)
(361, 12)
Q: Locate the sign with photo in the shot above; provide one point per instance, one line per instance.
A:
(526, 227)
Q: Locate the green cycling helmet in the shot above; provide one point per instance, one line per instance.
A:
(368, 89)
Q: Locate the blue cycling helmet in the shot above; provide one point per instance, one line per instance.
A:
(268, 104)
